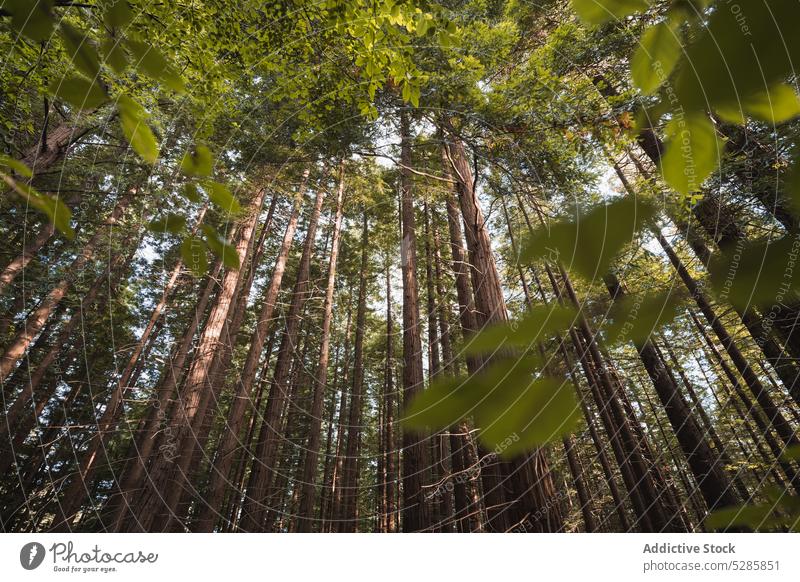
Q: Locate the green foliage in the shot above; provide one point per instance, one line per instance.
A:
(33, 19)
(733, 66)
(134, 125)
(514, 409)
(637, 317)
(152, 63)
(194, 255)
(118, 13)
(14, 165)
(536, 325)
(777, 104)
(656, 57)
(225, 251)
(171, 223)
(758, 274)
(781, 512)
(81, 50)
(55, 210)
(220, 195)
(79, 92)
(600, 11)
(590, 242)
(197, 162)
(693, 152)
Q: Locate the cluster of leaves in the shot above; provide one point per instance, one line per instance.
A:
(98, 67)
(197, 166)
(376, 37)
(707, 57)
(56, 211)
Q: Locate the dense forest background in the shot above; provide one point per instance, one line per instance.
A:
(399, 265)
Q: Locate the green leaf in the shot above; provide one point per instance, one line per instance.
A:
(81, 50)
(135, 128)
(535, 413)
(637, 317)
(600, 11)
(781, 512)
(760, 274)
(422, 24)
(19, 167)
(444, 403)
(152, 63)
(655, 58)
(730, 113)
(513, 410)
(740, 52)
(220, 247)
(413, 95)
(693, 152)
(34, 19)
(780, 103)
(56, 211)
(222, 197)
(190, 191)
(792, 453)
(172, 223)
(535, 326)
(79, 92)
(590, 243)
(194, 254)
(754, 517)
(114, 55)
(118, 13)
(198, 162)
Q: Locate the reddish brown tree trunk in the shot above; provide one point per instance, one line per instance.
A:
(149, 430)
(707, 467)
(389, 452)
(36, 321)
(348, 518)
(529, 488)
(158, 502)
(264, 462)
(416, 514)
(308, 494)
(244, 387)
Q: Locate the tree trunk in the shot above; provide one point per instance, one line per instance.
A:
(529, 486)
(706, 466)
(36, 321)
(147, 434)
(158, 502)
(416, 513)
(390, 454)
(308, 494)
(266, 456)
(348, 518)
(226, 449)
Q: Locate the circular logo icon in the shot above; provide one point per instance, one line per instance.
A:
(31, 555)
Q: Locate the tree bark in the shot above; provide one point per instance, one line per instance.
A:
(264, 463)
(158, 502)
(706, 466)
(36, 321)
(224, 457)
(348, 519)
(308, 494)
